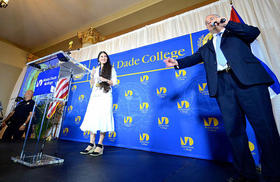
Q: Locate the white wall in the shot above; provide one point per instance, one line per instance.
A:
(12, 61)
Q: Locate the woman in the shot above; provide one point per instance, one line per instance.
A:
(99, 116)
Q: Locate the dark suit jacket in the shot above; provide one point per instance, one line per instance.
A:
(235, 45)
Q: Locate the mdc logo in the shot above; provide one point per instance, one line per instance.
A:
(211, 123)
(187, 143)
(183, 106)
(81, 98)
(144, 79)
(112, 136)
(181, 74)
(128, 94)
(163, 122)
(78, 77)
(65, 131)
(74, 88)
(252, 148)
(127, 121)
(39, 83)
(203, 89)
(161, 92)
(144, 138)
(77, 119)
(144, 107)
(204, 39)
(118, 83)
(86, 134)
(69, 109)
(115, 107)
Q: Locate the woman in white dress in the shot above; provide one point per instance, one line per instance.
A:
(99, 114)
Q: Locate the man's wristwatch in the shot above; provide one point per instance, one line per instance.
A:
(24, 124)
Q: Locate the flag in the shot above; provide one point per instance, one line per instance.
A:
(256, 49)
(61, 92)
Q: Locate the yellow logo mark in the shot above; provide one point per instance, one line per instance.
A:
(144, 105)
(251, 146)
(118, 81)
(86, 133)
(81, 97)
(128, 93)
(204, 39)
(163, 120)
(127, 119)
(115, 106)
(210, 121)
(161, 90)
(203, 87)
(144, 137)
(78, 76)
(70, 108)
(77, 119)
(186, 140)
(65, 131)
(183, 104)
(74, 87)
(144, 78)
(112, 134)
(180, 73)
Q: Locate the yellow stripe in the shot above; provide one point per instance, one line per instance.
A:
(191, 42)
(145, 72)
(137, 73)
(80, 82)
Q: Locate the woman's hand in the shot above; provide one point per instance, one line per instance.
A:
(110, 82)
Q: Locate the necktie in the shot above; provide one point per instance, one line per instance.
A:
(219, 54)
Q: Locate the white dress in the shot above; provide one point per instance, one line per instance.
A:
(99, 114)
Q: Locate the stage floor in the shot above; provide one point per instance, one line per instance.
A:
(115, 165)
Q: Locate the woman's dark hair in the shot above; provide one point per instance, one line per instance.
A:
(106, 72)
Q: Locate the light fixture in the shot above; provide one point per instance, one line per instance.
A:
(3, 3)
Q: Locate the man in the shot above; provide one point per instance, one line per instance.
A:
(18, 119)
(239, 83)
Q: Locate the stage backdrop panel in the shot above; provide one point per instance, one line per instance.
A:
(156, 108)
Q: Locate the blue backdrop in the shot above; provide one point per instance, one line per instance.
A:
(156, 108)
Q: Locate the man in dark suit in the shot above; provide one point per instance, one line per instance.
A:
(239, 83)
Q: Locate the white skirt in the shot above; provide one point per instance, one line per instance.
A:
(99, 114)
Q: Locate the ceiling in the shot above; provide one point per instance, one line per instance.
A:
(34, 25)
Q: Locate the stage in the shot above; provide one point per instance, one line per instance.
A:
(115, 165)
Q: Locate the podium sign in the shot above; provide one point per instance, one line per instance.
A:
(46, 81)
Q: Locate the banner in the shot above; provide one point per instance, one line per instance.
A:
(156, 108)
(46, 81)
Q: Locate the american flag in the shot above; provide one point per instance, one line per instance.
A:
(60, 92)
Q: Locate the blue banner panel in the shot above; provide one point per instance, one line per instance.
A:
(31, 75)
(157, 108)
(46, 81)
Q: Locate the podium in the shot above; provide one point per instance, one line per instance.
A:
(46, 95)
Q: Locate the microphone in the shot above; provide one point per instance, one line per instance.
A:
(215, 23)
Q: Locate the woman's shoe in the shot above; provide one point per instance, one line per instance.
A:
(98, 150)
(90, 148)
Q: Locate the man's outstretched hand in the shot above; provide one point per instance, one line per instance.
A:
(170, 62)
